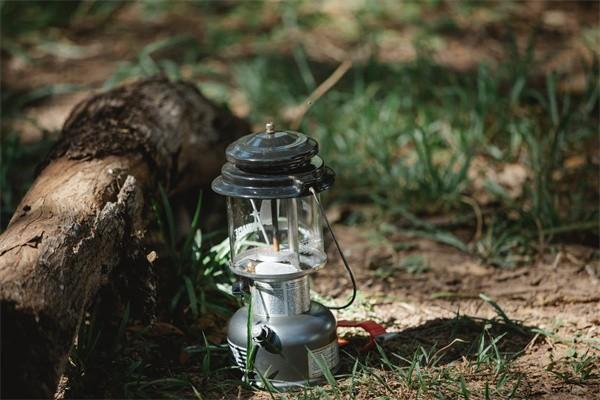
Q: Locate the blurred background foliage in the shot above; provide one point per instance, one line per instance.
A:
(474, 124)
(467, 109)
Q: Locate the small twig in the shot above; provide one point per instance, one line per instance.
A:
(531, 343)
(459, 340)
(557, 260)
(579, 226)
(478, 215)
(320, 91)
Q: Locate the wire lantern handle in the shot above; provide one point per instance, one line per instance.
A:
(346, 265)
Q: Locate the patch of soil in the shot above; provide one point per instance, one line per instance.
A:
(559, 294)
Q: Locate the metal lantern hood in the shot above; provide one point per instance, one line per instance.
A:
(272, 181)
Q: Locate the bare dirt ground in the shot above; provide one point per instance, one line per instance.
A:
(559, 293)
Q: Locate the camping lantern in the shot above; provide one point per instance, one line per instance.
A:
(272, 182)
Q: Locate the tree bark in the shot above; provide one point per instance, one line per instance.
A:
(87, 206)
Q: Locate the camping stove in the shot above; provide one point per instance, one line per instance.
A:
(272, 181)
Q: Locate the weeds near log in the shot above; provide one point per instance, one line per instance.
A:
(203, 274)
(196, 290)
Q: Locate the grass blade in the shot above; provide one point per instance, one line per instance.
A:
(191, 295)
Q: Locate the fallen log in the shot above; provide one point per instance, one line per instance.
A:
(87, 206)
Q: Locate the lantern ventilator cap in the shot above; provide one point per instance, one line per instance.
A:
(273, 164)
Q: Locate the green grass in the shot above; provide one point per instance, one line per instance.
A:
(404, 137)
(401, 137)
(470, 358)
(204, 275)
(574, 367)
(387, 374)
(489, 345)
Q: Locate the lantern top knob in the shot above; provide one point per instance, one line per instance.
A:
(269, 127)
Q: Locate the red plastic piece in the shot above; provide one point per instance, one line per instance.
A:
(371, 327)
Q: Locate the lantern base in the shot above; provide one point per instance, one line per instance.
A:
(293, 352)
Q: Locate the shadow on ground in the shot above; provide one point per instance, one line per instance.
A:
(444, 340)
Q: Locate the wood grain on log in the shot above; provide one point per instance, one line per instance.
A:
(88, 203)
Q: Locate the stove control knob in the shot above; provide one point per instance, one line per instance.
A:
(262, 334)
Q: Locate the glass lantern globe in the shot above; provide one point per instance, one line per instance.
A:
(271, 237)
(272, 180)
